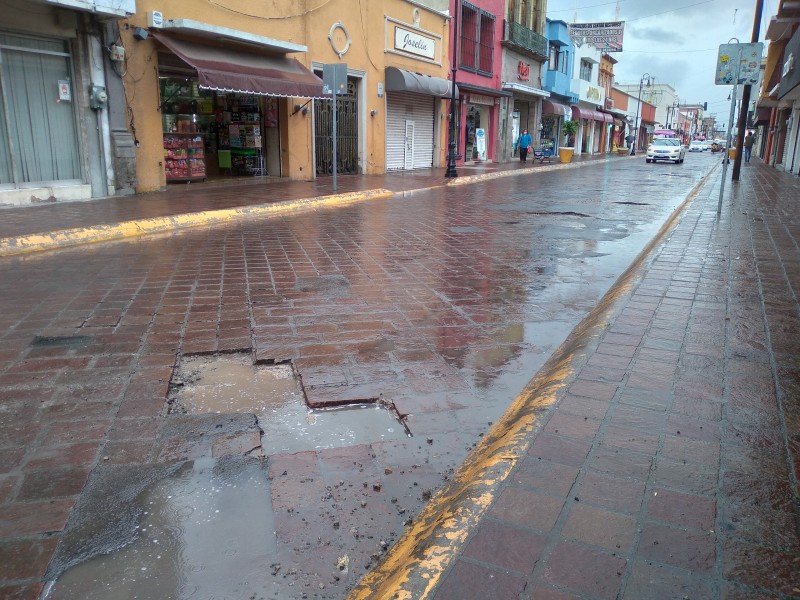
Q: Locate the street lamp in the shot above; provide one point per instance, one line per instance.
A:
(646, 77)
(451, 146)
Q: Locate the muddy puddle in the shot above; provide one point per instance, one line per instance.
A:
(204, 532)
(232, 383)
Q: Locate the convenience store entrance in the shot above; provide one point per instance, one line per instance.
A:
(210, 134)
(220, 108)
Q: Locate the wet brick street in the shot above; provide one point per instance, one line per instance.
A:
(437, 308)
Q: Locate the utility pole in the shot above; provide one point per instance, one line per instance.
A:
(745, 106)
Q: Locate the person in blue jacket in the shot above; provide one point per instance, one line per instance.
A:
(523, 143)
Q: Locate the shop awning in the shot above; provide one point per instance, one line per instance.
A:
(762, 116)
(585, 113)
(400, 80)
(554, 108)
(234, 70)
(525, 89)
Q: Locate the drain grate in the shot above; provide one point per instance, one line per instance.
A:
(59, 341)
(231, 383)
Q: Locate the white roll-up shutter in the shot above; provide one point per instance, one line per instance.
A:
(408, 106)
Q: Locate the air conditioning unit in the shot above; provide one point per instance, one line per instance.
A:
(609, 103)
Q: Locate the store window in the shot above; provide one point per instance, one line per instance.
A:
(38, 128)
(210, 134)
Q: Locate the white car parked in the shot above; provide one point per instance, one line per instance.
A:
(666, 149)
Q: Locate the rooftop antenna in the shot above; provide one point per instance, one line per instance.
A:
(616, 12)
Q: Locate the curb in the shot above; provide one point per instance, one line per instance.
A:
(66, 238)
(418, 560)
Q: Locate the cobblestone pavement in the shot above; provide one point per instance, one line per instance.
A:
(443, 304)
(670, 467)
(234, 193)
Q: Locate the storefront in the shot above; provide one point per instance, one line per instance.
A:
(221, 123)
(480, 113)
(527, 109)
(55, 138)
(591, 130)
(413, 114)
(553, 116)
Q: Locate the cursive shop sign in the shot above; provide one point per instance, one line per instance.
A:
(414, 43)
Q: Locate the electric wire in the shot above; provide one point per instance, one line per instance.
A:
(267, 18)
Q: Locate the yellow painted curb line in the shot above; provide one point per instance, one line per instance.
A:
(117, 231)
(417, 561)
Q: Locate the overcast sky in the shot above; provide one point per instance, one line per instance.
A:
(677, 41)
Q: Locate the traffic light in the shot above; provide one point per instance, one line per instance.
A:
(705, 105)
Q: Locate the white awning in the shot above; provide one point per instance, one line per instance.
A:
(525, 89)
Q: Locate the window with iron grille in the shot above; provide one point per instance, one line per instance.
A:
(477, 39)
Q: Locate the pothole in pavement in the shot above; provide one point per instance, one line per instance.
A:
(334, 286)
(231, 383)
(61, 341)
(564, 213)
(198, 529)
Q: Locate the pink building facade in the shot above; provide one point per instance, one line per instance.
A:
(478, 76)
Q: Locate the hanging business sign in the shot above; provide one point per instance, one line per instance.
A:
(605, 36)
(739, 64)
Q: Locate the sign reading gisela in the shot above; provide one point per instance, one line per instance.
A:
(414, 43)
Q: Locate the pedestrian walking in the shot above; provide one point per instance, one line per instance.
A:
(524, 144)
(749, 140)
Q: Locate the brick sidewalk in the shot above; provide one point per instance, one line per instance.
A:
(670, 467)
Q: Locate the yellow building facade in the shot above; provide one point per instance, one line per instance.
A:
(230, 88)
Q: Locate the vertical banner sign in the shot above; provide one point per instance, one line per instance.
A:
(334, 82)
(603, 36)
(480, 143)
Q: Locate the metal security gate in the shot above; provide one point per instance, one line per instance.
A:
(409, 114)
(346, 132)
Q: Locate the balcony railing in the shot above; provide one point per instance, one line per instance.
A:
(524, 39)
